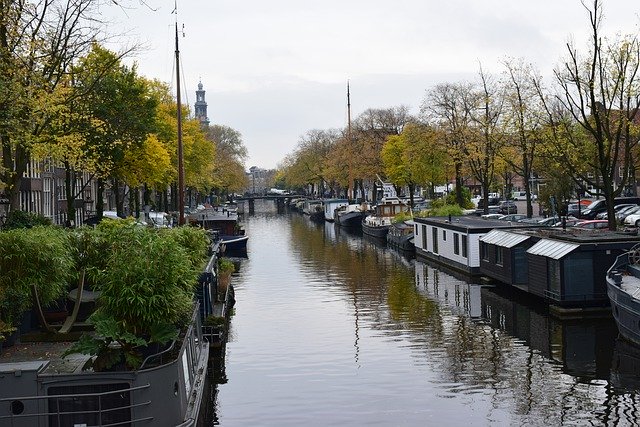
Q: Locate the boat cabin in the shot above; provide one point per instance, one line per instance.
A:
(455, 241)
(503, 256)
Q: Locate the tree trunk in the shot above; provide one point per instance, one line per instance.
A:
(459, 184)
(100, 197)
(69, 188)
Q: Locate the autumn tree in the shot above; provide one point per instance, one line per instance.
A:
(524, 122)
(39, 41)
(445, 107)
(369, 133)
(231, 155)
(118, 113)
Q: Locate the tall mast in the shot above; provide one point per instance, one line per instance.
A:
(350, 189)
(180, 159)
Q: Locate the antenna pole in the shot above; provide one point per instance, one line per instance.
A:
(350, 189)
(180, 155)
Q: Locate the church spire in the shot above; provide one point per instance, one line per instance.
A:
(201, 106)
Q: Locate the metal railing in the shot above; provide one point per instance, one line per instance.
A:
(59, 415)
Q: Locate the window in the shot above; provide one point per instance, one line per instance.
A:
(484, 251)
(456, 243)
(499, 260)
(435, 239)
(424, 237)
(464, 245)
(444, 235)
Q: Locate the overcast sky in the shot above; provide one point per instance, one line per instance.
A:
(274, 70)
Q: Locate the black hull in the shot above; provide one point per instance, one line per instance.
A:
(234, 244)
(379, 231)
(404, 243)
(350, 220)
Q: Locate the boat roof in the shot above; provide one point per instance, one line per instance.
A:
(552, 248)
(504, 238)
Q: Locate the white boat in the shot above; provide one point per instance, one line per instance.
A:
(330, 205)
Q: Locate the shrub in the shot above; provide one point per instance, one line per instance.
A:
(446, 210)
(195, 241)
(21, 219)
(146, 286)
(42, 257)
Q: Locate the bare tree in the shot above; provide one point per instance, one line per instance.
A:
(599, 97)
(524, 119)
(446, 108)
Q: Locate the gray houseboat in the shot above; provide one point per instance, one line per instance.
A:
(566, 268)
(38, 387)
(623, 287)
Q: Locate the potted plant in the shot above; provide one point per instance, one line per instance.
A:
(146, 292)
(225, 269)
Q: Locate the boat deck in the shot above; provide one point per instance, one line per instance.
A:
(47, 354)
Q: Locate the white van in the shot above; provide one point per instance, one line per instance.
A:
(522, 195)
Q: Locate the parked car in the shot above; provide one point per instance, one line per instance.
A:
(598, 206)
(633, 220)
(507, 207)
(512, 217)
(594, 224)
(617, 208)
(549, 222)
(624, 213)
(491, 216)
(493, 203)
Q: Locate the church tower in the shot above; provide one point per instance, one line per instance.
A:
(201, 107)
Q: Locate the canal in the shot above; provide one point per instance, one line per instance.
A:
(331, 328)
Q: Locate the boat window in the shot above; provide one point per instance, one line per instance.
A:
(456, 243)
(464, 245)
(435, 240)
(499, 259)
(424, 237)
(484, 251)
(444, 235)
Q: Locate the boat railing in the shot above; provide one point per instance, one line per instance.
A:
(61, 402)
(193, 336)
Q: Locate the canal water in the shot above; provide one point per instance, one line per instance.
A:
(334, 329)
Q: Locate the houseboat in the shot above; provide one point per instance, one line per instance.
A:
(314, 209)
(401, 235)
(330, 206)
(377, 224)
(40, 387)
(454, 242)
(227, 226)
(566, 268)
(623, 289)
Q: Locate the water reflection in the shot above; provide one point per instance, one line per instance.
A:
(333, 328)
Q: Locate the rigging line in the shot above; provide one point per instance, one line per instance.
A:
(184, 85)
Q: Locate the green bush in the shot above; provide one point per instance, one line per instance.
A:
(402, 217)
(21, 219)
(225, 266)
(42, 257)
(446, 210)
(146, 282)
(195, 241)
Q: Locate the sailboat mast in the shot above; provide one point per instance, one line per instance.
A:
(180, 156)
(350, 189)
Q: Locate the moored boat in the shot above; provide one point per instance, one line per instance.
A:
(623, 289)
(401, 236)
(44, 381)
(226, 224)
(378, 223)
(350, 216)
(330, 206)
